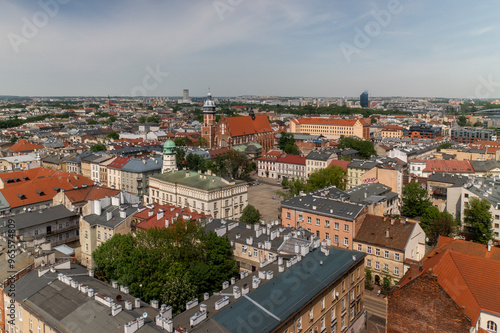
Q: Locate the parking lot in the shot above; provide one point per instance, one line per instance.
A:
(261, 197)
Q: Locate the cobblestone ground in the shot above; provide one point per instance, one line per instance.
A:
(261, 197)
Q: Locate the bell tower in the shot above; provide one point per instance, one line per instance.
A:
(209, 125)
(169, 157)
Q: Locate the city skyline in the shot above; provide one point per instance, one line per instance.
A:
(280, 48)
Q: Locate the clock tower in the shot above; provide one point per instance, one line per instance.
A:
(209, 126)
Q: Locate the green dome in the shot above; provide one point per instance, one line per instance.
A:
(169, 147)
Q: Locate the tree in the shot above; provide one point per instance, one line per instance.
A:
(141, 120)
(180, 155)
(98, 147)
(292, 188)
(285, 139)
(386, 281)
(373, 120)
(202, 142)
(477, 218)
(195, 162)
(250, 215)
(365, 148)
(436, 223)
(113, 135)
(326, 177)
(92, 122)
(415, 200)
(368, 275)
(179, 142)
(291, 149)
(461, 121)
(14, 139)
(445, 145)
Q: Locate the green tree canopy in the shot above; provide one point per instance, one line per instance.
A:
(113, 135)
(364, 148)
(445, 145)
(415, 200)
(436, 223)
(461, 120)
(250, 215)
(171, 265)
(478, 220)
(98, 147)
(325, 177)
(285, 139)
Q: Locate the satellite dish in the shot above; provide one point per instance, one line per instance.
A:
(145, 315)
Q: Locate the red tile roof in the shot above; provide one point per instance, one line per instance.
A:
(448, 166)
(392, 128)
(23, 191)
(245, 125)
(292, 159)
(148, 218)
(373, 231)
(118, 163)
(25, 145)
(339, 163)
(462, 246)
(89, 193)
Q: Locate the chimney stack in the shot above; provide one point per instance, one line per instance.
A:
(387, 233)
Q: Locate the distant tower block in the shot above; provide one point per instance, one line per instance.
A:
(185, 94)
(363, 99)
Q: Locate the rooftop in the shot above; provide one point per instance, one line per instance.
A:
(197, 180)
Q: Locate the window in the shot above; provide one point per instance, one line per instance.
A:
(396, 271)
(368, 263)
(39, 329)
(343, 285)
(288, 215)
(86, 234)
(396, 256)
(318, 222)
(323, 323)
(386, 267)
(336, 239)
(336, 226)
(377, 265)
(377, 252)
(386, 254)
(323, 303)
(352, 312)
(311, 315)
(466, 195)
(342, 324)
(346, 241)
(327, 223)
(309, 219)
(346, 227)
(369, 249)
(491, 325)
(343, 304)
(86, 247)
(299, 323)
(333, 314)
(98, 235)
(31, 324)
(360, 247)
(244, 249)
(255, 253)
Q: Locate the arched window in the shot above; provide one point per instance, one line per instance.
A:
(492, 326)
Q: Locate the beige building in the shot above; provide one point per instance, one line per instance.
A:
(389, 243)
(331, 128)
(207, 193)
(392, 131)
(319, 159)
(101, 219)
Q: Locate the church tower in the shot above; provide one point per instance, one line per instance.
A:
(169, 160)
(209, 125)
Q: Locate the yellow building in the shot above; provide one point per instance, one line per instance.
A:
(331, 128)
(392, 131)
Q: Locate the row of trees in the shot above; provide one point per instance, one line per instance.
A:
(171, 265)
(477, 216)
(318, 179)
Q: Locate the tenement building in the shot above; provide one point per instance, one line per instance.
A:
(219, 197)
(472, 134)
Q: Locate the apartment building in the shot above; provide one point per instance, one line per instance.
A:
(266, 164)
(472, 134)
(392, 131)
(319, 159)
(328, 219)
(291, 167)
(388, 243)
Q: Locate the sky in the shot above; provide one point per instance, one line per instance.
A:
(316, 48)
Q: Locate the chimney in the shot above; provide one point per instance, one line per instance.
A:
(387, 233)
(490, 243)
(393, 219)
(109, 215)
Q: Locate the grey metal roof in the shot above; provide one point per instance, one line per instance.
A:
(145, 165)
(369, 192)
(115, 220)
(68, 309)
(39, 217)
(448, 178)
(196, 180)
(324, 206)
(485, 166)
(320, 155)
(313, 278)
(363, 164)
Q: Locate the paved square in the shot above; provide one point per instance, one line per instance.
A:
(261, 197)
